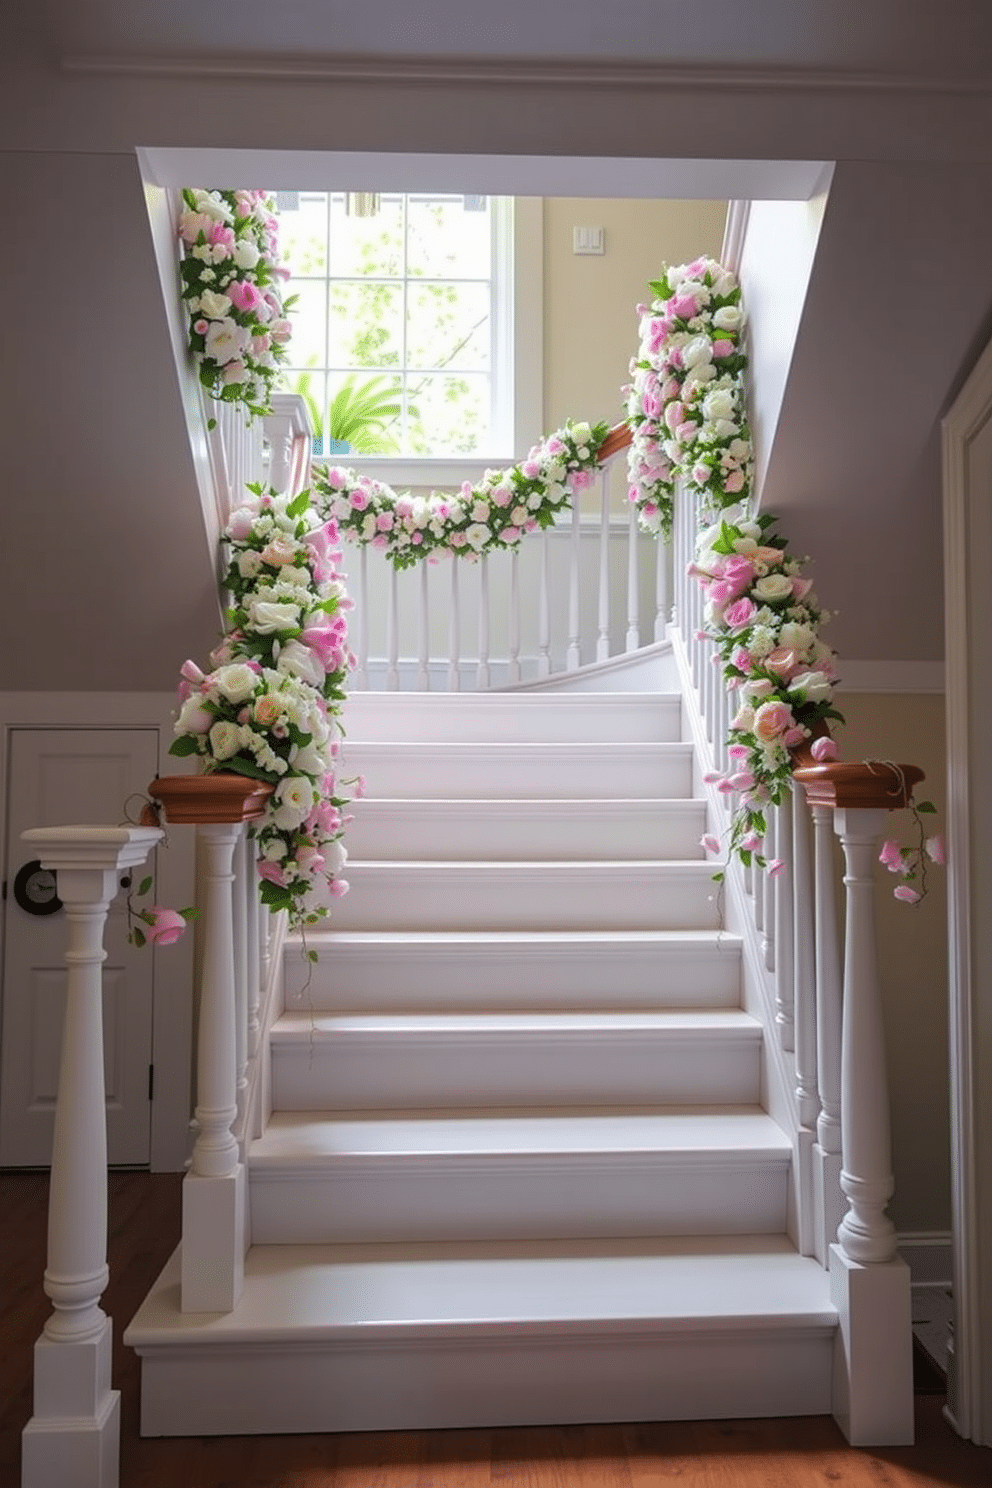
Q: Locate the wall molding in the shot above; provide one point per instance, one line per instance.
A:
(929, 1254)
(890, 676)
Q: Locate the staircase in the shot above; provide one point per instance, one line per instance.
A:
(517, 1167)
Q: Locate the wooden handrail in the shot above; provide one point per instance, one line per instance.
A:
(619, 438)
(870, 784)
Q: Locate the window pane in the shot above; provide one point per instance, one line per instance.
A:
(365, 325)
(308, 344)
(448, 415)
(448, 326)
(303, 235)
(366, 245)
(444, 240)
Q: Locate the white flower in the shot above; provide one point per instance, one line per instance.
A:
(299, 661)
(773, 587)
(335, 856)
(812, 687)
(214, 306)
(719, 404)
(225, 739)
(743, 720)
(477, 535)
(193, 717)
(797, 638)
(246, 255)
(249, 563)
(266, 618)
(212, 205)
(697, 352)
(292, 800)
(307, 759)
(727, 318)
(225, 339)
(236, 682)
(581, 433)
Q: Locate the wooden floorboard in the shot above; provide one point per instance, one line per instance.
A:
(144, 1228)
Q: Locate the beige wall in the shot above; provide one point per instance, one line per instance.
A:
(909, 727)
(590, 315)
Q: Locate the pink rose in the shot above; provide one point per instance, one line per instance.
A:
(771, 720)
(722, 348)
(244, 295)
(793, 736)
(220, 236)
(823, 750)
(734, 481)
(739, 614)
(271, 872)
(531, 469)
(801, 587)
(891, 856)
(164, 925)
(781, 661)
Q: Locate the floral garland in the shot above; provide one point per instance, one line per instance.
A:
(268, 708)
(230, 271)
(487, 517)
(685, 403)
(763, 618)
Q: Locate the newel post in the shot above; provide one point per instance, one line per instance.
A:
(73, 1437)
(869, 1283)
(214, 1237)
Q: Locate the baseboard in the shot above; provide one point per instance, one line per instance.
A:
(929, 1256)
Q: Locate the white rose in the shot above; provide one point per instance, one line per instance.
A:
(225, 739)
(214, 306)
(728, 318)
(212, 206)
(266, 618)
(274, 850)
(477, 535)
(299, 661)
(225, 340)
(194, 718)
(796, 638)
(697, 352)
(773, 587)
(720, 404)
(307, 759)
(743, 720)
(292, 799)
(236, 682)
(812, 687)
(249, 564)
(245, 254)
(335, 856)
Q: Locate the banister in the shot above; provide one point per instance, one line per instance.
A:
(867, 784)
(619, 438)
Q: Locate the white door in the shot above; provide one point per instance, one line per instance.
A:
(60, 777)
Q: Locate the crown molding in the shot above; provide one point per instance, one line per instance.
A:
(499, 71)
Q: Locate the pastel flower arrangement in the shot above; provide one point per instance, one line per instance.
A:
(685, 401)
(491, 516)
(231, 275)
(910, 863)
(269, 706)
(764, 619)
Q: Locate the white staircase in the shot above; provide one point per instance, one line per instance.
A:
(517, 1168)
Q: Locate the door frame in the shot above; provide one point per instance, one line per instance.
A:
(172, 1001)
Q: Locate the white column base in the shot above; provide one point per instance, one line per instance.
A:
(214, 1241)
(829, 1203)
(873, 1355)
(73, 1438)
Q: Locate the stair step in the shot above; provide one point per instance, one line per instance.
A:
(542, 771)
(408, 970)
(556, 829)
(335, 1338)
(480, 717)
(525, 1174)
(359, 1061)
(529, 896)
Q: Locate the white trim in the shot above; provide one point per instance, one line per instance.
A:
(890, 676)
(967, 552)
(929, 1254)
(734, 233)
(172, 1011)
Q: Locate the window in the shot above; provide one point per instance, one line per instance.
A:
(403, 331)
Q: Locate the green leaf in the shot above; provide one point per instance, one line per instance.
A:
(184, 745)
(312, 956)
(926, 806)
(189, 914)
(145, 885)
(138, 937)
(298, 505)
(248, 768)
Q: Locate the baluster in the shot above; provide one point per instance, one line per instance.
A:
(633, 640)
(423, 632)
(830, 1200)
(482, 670)
(393, 632)
(603, 632)
(800, 923)
(361, 672)
(454, 633)
(544, 610)
(660, 590)
(239, 910)
(782, 887)
(73, 1437)
(758, 893)
(253, 971)
(514, 618)
(768, 892)
(573, 656)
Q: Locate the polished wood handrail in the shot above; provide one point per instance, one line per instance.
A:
(619, 438)
(217, 797)
(869, 784)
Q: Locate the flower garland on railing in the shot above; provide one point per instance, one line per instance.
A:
(764, 619)
(230, 273)
(491, 516)
(685, 403)
(268, 708)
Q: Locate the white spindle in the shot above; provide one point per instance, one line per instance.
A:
(361, 672)
(660, 592)
(213, 1247)
(783, 898)
(827, 1152)
(454, 634)
(423, 634)
(514, 618)
(393, 633)
(253, 969)
(799, 923)
(573, 655)
(73, 1437)
(482, 669)
(544, 610)
(603, 630)
(633, 580)
(758, 897)
(239, 910)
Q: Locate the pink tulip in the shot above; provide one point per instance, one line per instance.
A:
(164, 925)
(823, 750)
(936, 850)
(709, 843)
(906, 894)
(775, 867)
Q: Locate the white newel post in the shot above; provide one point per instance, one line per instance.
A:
(214, 1232)
(73, 1437)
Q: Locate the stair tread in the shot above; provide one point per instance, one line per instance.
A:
(300, 1139)
(715, 1022)
(694, 1283)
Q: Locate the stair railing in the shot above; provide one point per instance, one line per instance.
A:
(827, 1082)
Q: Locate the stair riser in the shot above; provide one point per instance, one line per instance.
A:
(480, 718)
(528, 896)
(527, 830)
(533, 771)
(535, 1198)
(366, 1384)
(448, 975)
(389, 1072)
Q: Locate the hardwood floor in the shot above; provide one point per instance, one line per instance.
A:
(144, 1228)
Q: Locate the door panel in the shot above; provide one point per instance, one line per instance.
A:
(59, 777)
